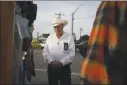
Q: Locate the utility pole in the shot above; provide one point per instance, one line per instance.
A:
(37, 36)
(72, 22)
(80, 31)
(73, 15)
(60, 15)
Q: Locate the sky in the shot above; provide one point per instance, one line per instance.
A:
(84, 16)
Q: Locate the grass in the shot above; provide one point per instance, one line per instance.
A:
(35, 44)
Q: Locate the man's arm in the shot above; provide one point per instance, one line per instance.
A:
(46, 54)
(69, 58)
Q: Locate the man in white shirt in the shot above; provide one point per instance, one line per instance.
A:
(59, 51)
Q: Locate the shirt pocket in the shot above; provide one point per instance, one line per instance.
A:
(65, 47)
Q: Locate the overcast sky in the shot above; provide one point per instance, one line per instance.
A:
(46, 11)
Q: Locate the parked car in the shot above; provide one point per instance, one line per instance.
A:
(42, 45)
(83, 48)
(77, 50)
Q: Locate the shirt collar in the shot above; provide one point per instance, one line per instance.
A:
(61, 36)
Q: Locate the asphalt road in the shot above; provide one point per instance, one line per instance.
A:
(41, 67)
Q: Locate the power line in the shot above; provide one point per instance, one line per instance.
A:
(84, 17)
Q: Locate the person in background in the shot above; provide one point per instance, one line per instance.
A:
(59, 51)
(106, 58)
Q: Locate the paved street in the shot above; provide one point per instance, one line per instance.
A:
(41, 73)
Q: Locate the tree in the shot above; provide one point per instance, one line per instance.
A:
(84, 38)
(45, 35)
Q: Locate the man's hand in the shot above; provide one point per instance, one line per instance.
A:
(56, 64)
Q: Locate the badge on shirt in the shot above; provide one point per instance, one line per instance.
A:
(65, 46)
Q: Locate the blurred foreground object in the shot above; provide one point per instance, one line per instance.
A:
(105, 62)
(25, 14)
(6, 42)
(16, 54)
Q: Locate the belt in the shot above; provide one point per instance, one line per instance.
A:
(67, 64)
(64, 65)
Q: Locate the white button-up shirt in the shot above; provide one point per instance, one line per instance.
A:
(54, 49)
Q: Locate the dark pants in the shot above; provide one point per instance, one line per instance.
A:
(62, 74)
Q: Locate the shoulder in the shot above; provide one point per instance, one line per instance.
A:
(67, 34)
(51, 36)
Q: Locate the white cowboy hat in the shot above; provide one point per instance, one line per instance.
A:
(58, 21)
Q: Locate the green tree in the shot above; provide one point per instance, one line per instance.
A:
(45, 35)
(84, 38)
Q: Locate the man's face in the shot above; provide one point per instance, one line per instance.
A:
(58, 29)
